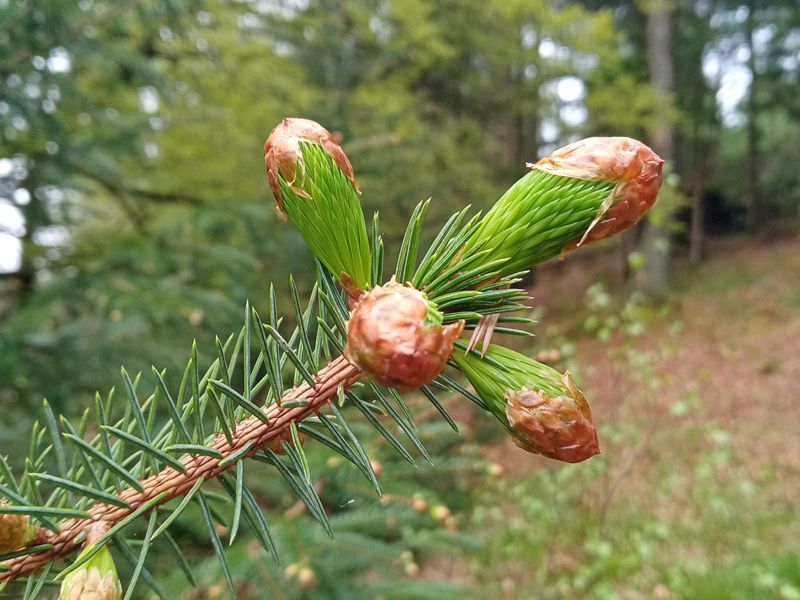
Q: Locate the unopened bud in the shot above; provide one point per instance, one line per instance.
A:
(291, 570)
(94, 580)
(15, 531)
(440, 513)
(313, 183)
(544, 410)
(306, 578)
(395, 335)
(419, 504)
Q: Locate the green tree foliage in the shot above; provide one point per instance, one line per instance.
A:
(72, 77)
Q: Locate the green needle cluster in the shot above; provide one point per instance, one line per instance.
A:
(501, 371)
(330, 221)
(536, 218)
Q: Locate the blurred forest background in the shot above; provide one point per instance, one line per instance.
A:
(135, 217)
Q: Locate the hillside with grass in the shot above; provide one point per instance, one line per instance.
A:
(695, 494)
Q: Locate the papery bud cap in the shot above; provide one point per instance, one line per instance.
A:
(283, 155)
(558, 427)
(630, 163)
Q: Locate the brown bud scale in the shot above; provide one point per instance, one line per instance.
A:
(630, 163)
(15, 532)
(558, 427)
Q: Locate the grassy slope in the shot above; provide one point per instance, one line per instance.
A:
(696, 494)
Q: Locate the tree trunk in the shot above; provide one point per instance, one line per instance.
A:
(751, 188)
(696, 233)
(626, 244)
(656, 241)
(702, 169)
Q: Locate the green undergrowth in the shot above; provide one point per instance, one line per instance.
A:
(694, 496)
(685, 520)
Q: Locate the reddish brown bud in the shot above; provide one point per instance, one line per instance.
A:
(635, 168)
(396, 337)
(419, 504)
(15, 531)
(276, 443)
(283, 156)
(558, 427)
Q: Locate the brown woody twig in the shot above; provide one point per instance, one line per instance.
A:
(173, 484)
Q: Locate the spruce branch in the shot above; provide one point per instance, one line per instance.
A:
(102, 469)
(82, 486)
(252, 433)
